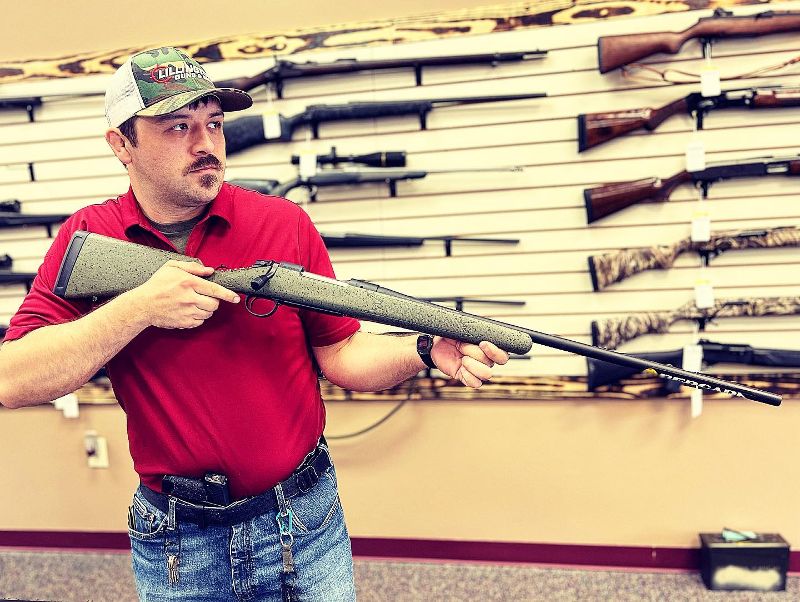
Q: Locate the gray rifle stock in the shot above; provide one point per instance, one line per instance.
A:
(99, 266)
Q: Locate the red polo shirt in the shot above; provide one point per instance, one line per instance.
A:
(238, 394)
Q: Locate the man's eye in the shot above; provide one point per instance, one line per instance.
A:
(180, 126)
(215, 124)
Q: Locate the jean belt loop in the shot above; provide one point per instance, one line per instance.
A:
(171, 522)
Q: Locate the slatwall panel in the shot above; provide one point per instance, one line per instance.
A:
(541, 205)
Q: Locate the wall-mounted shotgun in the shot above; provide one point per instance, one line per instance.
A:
(99, 266)
(612, 333)
(28, 103)
(335, 177)
(7, 276)
(250, 131)
(616, 266)
(607, 199)
(283, 69)
(350, 240)
(11, 216)
(596, 128)
(602, 373)
(378, 159)
(616, 51)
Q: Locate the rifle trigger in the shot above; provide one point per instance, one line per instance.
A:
(250, 300)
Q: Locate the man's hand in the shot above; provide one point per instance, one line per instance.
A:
(471, 364)
(177, 296)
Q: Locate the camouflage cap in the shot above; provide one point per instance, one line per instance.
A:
(160, 81)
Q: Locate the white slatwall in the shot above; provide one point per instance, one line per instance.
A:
(542, 206)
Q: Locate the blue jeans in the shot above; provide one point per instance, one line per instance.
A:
(183, 561)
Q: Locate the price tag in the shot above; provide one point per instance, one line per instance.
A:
(67, 404)
(692, 358)
(709, 82)
(696, 398)
(703, 294)
(272, 125)
(308, 164)
(701, 226)
(695, 156)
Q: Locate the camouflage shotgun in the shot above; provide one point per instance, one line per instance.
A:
(616, 51)
(602, 373)
(596, 128)
(605, 200)
(97, 266)
(617, 266)
(347, 177)
(250, 131)
(379, 159)
(612, 333)
(283, 69)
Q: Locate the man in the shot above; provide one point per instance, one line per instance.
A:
(238, 495)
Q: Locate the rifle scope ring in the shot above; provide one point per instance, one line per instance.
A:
(248, 303)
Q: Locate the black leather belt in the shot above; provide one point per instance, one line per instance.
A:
(301, 481)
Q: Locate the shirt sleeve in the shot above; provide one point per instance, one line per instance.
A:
(42, 307)
(322, 329)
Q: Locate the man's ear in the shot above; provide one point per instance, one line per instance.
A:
(119, 144)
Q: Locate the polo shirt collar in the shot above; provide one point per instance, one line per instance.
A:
(132, 214)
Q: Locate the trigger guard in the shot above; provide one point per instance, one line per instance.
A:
(248, 304)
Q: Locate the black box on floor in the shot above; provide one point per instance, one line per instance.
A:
(755, 564)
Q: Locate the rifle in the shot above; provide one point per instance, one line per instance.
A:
(611, 333)
(607, 199)
(249, 131)
(27, 103)
(617, 266)
(283, 69)
(596, 128)
(9, 277)
(602, 373)
(349, 240)
(334, 177)
(11, 216)
(616, 51)
(459, 301)
(98, 266)
(382, 159)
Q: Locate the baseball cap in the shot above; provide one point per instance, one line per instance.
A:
(160, 81)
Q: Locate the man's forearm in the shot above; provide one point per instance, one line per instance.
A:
(371, 362)
(55, 360)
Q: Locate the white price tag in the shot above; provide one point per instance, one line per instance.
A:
(709, 82)
(703, 294)
(701, 226)
(308, 164)
(692, 358)
(695, 156)
(67, 404)
(696, 397)
(272, 125)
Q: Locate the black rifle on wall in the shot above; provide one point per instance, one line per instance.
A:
(250, 131)
(334, 177)
(28, 103)
(602, 373)
(283, 69)
(11, 216)
(605, 200)
(379, 159)
(616, 51)
(596, 128)
(99, 266)
(350, 240)
(8, 276)
(618, 265)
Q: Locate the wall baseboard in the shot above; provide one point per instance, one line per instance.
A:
(640, 557)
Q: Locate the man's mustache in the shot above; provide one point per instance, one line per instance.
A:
(205, 161)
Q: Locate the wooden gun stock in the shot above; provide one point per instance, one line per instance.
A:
(605, 200)
(596, 128)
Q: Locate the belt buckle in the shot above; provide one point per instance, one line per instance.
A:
(306, 479)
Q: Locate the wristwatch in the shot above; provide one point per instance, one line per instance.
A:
(424, 346)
